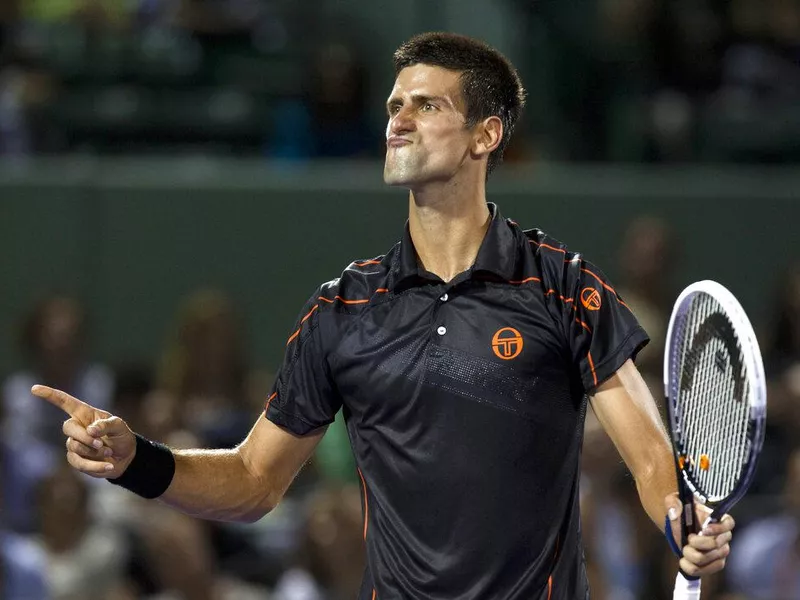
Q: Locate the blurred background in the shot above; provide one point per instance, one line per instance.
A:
(178, 176)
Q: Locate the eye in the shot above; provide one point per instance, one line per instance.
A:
(428, 106)
(393, 109)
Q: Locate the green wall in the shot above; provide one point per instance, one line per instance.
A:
(131, 238)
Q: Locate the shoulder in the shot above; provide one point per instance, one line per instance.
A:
(358, 283)
(555, 261)
(361, 283)
(548, 249)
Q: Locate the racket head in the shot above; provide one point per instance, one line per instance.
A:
(716, 395)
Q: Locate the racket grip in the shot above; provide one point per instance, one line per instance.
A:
(686, 589)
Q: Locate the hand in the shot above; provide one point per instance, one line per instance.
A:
(98, 443)
(705, 553)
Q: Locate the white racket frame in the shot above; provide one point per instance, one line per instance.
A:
(690, 589)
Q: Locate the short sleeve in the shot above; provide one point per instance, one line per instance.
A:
(601, 330)
(303, 397)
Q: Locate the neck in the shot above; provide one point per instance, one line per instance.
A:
(447, 226)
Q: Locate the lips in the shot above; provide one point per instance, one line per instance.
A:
(395, 141)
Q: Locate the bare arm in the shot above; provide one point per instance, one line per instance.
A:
(628, 413)
(241, 484)
(626, 409)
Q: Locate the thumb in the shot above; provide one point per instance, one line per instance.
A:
(110, 426)
(673, 506)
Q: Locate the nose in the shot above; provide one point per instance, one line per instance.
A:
(401, 122)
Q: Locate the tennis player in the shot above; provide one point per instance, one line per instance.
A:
(462, 360)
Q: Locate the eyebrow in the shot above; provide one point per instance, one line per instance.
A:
(420, 99)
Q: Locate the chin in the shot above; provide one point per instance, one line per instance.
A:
(394, 178)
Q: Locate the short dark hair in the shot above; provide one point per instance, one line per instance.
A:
(489, 82)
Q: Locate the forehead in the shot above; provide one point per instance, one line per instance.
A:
(428, 80)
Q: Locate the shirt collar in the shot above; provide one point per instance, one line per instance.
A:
(496, 256)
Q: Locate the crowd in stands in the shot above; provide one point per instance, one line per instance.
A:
(619, 80)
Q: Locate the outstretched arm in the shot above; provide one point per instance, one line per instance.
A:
(240, 484)
(626, 409)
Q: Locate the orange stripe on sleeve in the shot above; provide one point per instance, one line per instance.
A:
(374, 594)
(549, 587)
(366, 505)
(367, 262)
(294, 335)
(303, 320)
(591, 366)
(584, 325)
(270, 399)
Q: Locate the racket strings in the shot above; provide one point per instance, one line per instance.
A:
(713, 407)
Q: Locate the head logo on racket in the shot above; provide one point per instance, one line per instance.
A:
(507, 343)
(590, 298)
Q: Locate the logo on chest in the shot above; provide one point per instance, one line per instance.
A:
(507, 343)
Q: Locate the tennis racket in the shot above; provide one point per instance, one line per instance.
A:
(716, 402)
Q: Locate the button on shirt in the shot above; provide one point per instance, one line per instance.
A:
(464, 403)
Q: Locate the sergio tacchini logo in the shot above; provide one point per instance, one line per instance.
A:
(590, 298)
(507, 343)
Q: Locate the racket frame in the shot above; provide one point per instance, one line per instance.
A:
(751, 356)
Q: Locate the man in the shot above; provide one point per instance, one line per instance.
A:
(461, 360)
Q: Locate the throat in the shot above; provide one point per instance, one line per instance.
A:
(447, 244)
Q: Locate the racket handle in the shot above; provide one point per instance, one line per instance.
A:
(686, 589)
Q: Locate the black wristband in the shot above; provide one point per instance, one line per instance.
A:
(150, 471)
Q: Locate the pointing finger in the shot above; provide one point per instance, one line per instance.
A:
(69, 404)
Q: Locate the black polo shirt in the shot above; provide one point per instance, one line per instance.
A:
(464, 402)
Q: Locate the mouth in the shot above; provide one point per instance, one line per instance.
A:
(395, 141)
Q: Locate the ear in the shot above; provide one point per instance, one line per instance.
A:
(488, 135)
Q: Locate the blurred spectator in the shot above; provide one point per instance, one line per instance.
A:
(782, 365)
(754, 116)
(81, 553)
(646, 259)
(218, 17)
(331, 559)
(332, 120)
(53, 341)
(765, 562)
(205, 370)
(688, 42)
(22, 565)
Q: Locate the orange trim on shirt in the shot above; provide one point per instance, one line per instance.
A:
(374, 594)
(584, 325)
(358, 301)
(366, 507)
(548, 246)
(367, 262)
(549, 587)
(526, 280)
(591, 366)
(303, 320)
(270, 399)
